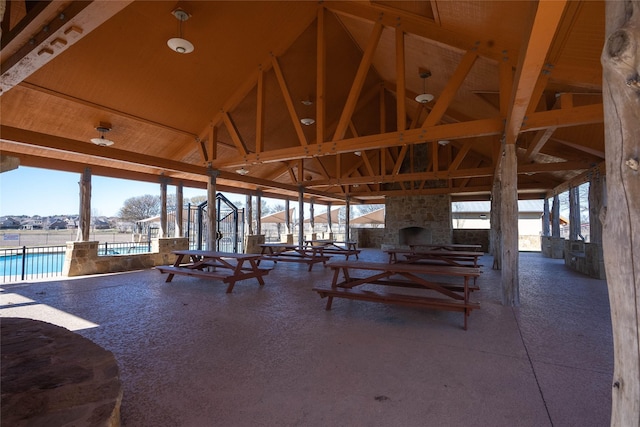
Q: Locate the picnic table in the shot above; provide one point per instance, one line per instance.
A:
(432, 294)
(294, 253)
(446, 247)
(226, 266)
(333, 247)
(455, 258)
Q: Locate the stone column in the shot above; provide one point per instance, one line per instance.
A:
(84, 221)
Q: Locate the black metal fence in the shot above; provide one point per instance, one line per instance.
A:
(31, 263)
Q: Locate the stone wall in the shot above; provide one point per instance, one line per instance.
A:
(81, 258)
(552, 247)
(432, 213)
(367, 237)
(472, 237)
(585, 258)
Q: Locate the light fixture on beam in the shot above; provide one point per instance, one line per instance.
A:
(307, 121)
(178, 44)
(444, 142)
(102, 141)
(242, 171)
(424, 97)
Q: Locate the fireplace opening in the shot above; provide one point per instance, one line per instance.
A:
(415, 236)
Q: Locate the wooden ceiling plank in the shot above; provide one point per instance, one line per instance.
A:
(233, 132)
(64, 29)
(383, 110)
(449, 131)
(213, 142)
(546, 21)
(289, 102)
(435, 155)
(449, 92)
(358, 81)
(400, 80)
(321, 67)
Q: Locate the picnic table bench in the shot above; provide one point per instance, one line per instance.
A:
(436, 295)
(446, 247)
(332, 247)
(455, 258)
(294, 253)
(226, 266)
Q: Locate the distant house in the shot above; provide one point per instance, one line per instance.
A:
(31, 224)
(8, 223)
(58, 224)
(101, 224)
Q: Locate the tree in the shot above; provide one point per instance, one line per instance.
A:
(140, 207)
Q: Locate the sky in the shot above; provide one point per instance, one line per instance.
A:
(32, 191)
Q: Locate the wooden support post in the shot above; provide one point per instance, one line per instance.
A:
(596, 205)
(347, 219)
(258, 212)
(249, 215)
(574, 213)
(212, 214)
(84, 221)
(545, 217)
(179, 210)
(621, 231)
(311, 219)
(496, 225)
(163, 207)
(555, 217)
(509, 221)
(287, 217)
(300, 215)
(329, 225)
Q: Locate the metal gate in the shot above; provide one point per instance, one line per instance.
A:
(229, 223)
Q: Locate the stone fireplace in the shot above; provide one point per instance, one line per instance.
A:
(417, 220)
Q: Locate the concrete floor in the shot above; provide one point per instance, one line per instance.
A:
(191, 355)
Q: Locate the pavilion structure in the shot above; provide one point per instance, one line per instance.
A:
(400, 103)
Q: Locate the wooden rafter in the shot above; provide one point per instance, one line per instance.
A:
(400, 80)
(289, 102)
(358, 82)
(260, 105)
(321, 60)
(461, 155)
(235, 135)
(547, 19)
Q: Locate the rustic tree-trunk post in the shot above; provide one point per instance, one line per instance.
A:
(311, 219)
(574, 213)
(179, 210)
(287, 217)
(84, 222)
(258, 212)
(555, 217)
(212, 214)
(596, 204)
(509, 226)
(496, 230)
(249, 215)
(545, 217)
(621, 231)
(347, 219)
(329, 225)
(300, 216)
(163, 207)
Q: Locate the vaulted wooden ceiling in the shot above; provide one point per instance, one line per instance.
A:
(518, 72)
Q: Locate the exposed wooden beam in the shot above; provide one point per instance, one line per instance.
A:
(28, 53)
(289, 102)
(260, 105)
(461, 155)
(358, 82)
(235, 135)
(546, 21)
(450, 131)
(399, 160)
(563, 117)
(321, 60)
(449, 92)
(400, 80)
